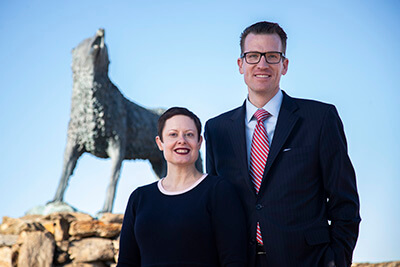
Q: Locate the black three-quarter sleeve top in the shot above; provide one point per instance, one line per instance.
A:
(202, 226)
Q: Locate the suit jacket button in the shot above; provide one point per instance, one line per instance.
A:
(259, 206)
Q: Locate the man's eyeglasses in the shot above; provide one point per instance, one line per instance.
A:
(270, 57)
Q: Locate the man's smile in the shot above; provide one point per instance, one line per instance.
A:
(262, 75)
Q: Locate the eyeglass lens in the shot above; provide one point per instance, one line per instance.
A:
(255, 57)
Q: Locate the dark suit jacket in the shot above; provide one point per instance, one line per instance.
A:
(308, 180)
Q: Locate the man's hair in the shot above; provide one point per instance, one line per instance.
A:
(171, 112)
(264, 27)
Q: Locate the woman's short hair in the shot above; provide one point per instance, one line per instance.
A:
(177, 111)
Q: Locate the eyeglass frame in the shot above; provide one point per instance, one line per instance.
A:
(282, 56)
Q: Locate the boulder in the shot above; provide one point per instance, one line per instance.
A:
(91, 249)
(5, 257)
(58, 227)
(11, 226)
(94, 228)
(111, 218)
(8, 240)
(37, 249)
(61, 253)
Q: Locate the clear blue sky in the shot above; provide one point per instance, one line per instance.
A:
(183, 53)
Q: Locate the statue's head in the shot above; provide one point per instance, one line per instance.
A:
(91, 55)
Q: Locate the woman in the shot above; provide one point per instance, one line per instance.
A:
(187, 218)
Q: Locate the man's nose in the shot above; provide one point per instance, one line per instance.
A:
(263, 62)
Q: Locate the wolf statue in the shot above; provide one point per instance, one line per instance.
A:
(104, 123)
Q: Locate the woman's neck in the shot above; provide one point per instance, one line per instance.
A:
(180, 178)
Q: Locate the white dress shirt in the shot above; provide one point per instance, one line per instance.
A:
(273, 107)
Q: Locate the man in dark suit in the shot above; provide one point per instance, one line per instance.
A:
(290, 164)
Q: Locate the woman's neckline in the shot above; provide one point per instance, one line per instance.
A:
(172, 193)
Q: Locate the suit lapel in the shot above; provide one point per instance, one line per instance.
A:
(286, 121)
(237, 134)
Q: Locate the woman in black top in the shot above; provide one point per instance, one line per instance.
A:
(187, 218)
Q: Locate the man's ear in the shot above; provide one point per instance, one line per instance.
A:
(159, 143)
(285, 66)
(240, 64)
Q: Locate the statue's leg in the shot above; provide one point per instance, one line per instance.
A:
(71, 156)
(116, 151)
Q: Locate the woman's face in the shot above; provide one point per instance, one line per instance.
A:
(181, 141)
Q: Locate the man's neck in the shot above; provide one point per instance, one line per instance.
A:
(260, 100)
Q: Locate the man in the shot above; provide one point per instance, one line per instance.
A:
(288, 160)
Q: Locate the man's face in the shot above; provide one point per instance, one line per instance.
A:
(262, 79)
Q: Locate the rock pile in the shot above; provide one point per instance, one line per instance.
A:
(60, 239)
(70, 239)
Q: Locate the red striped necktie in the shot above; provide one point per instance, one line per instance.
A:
(258, 155)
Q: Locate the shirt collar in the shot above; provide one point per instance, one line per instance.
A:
(273, 106)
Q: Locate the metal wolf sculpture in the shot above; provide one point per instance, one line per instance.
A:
(104, 123)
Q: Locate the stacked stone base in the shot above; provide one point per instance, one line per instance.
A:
(70, 239)
(60, 239)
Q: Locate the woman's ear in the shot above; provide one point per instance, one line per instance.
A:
(159, 143)
(200, 142)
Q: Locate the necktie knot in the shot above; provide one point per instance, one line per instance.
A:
(261, 114)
